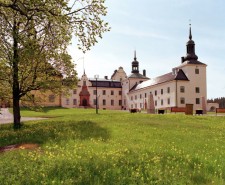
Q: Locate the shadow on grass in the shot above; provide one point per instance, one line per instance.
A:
(43, 109)
(53, 131)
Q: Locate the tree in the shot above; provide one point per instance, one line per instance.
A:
(4, 87)
(34, 35)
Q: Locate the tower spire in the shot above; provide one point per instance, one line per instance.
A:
(135, 58)
(83, 65)
(190, 49)
(190, 35)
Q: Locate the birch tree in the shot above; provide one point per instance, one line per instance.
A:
(34, 36)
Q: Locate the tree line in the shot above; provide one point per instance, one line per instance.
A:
(220, 101)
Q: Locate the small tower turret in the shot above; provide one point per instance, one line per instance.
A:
(190, 49)
(135, 64)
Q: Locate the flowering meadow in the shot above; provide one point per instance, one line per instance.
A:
(77, 146)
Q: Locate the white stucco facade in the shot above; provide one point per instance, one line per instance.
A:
(174, 93)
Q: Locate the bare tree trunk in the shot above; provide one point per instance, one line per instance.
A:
(16, 89)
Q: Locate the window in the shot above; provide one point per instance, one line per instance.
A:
(155, 102)
(51, 98)
(104, 102)
(197, 100)
(140, 96)
(124, 102)
(162, 102)
(182, 89)
(94, 92)
(112, 92)
(103, 92)
(155, 93)
(94, 101)
(196, 71)
(84, 83)
(161, 91)
(120, 92)
(140, 105)
(182, 100)
(168, 90)
(120, 102)
(67, 101)
(112, 102)
(131, 97)
(74, 91)
(145, 95)
(168, 101)
(74, 101)
(135, 97)
(132, 106)
(197, 89)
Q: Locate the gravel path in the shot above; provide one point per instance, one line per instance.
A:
(7, 117)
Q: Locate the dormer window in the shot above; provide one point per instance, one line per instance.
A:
(174, 71)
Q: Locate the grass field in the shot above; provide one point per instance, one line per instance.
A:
(114, 147)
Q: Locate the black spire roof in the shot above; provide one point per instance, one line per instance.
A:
(190, 57)
(135, 64)
(190, 48)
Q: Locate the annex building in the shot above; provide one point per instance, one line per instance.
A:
(184, 84)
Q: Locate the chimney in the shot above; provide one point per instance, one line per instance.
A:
(106, 77)
(144, 72)
(182, 59)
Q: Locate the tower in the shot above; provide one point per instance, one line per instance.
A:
(190, 49)
(135, 64)
(84, 93)
(196, 88)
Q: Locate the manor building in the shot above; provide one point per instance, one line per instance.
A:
(108, 92)
(184, 84)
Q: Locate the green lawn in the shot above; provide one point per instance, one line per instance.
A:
(114, 147)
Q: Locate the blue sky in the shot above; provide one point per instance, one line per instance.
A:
(158, 30)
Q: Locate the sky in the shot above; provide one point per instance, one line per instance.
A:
(158, 30)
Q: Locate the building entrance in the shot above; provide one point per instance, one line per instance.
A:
(84, 102)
